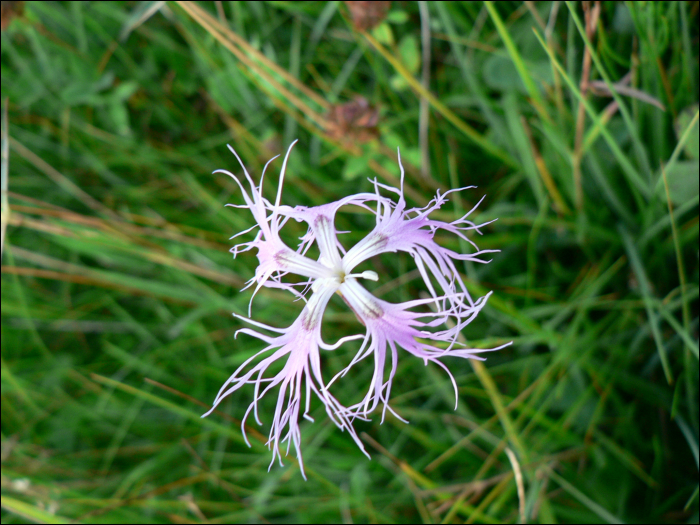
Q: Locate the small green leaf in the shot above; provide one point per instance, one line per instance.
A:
(683, 180)
(500, 74)
(398, 83)
(397, 17)
(410, 54)
(682, 122)
(120, 118)
(123, 91)
(383, 34)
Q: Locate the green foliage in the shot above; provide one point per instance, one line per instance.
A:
(118, 288)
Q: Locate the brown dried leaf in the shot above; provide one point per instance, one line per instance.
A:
(366, 15)
(9, 11)
(355, 121)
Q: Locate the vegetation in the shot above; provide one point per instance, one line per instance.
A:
(579, 122)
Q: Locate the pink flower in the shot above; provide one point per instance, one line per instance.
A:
(388, 326)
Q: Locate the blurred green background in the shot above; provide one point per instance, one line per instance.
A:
(579, 122)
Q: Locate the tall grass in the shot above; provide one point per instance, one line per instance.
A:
(579, 123)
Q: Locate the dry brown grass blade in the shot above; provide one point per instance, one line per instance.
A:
(591, 16)
(600, 88)
(154, 254)
(546, 176)
(219, 30)
(519, 483)
(133, 224)
(301, 111)
(61, 180)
